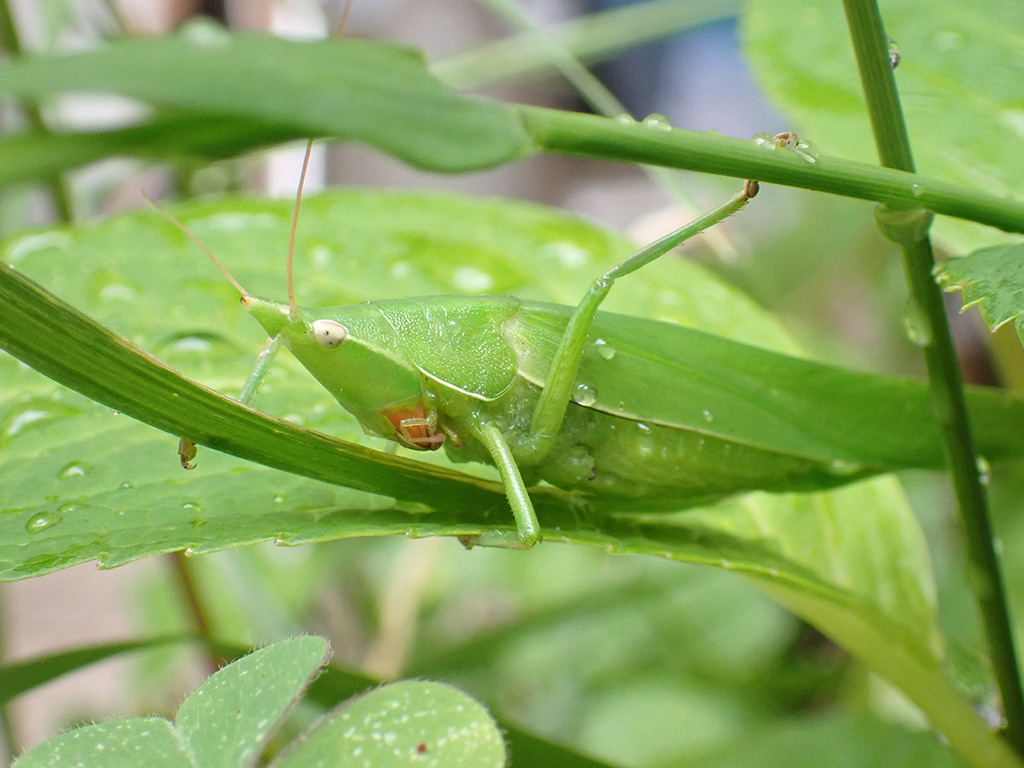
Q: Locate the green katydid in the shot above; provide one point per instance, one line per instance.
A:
(518, 384)
(490, 380)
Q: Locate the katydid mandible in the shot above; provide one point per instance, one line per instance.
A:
(494, 379)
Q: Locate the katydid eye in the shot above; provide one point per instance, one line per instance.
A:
(328, 333)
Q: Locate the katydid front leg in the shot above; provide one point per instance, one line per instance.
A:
(561, 380)
(187, 449)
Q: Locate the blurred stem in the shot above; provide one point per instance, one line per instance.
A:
(909, 229)
(194, 608)
(8, 736)
(9, 40)
(594, 37)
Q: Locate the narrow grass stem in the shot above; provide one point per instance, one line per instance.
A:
(11, 42)
(905, 228)
(572, 133)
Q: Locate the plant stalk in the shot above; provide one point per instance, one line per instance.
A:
(572, 133)
(11, 42)
(910, 229)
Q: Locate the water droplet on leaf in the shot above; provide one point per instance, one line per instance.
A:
(203, 32)
(844, 468)
(584, 394)
(74, 469)
(604, 349)
(42, 521)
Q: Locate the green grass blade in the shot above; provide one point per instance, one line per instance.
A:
(374, 92)
(594, 37)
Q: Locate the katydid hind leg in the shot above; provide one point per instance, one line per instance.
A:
(561, 379)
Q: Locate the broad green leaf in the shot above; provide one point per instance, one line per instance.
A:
(374, 92)
(227, 720)
(991, 279)
(82, 483)
(404, 723)
(224, 723)
(149, 741)
(332, 685)
(960, 76)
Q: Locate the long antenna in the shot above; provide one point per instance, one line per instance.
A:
(293, 308)
(195, 240)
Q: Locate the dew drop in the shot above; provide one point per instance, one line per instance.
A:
(984, 470)
(841, 468)
(626, 118)
(452, 330)
(42, 521)
(117, 292)
(915, 324)
(203, 32)
(658, 122)
(189, 345)
(806, 150)
(125, 486)
(948, 40)
(74, 469)
(584, 394)
(764, 141)
(916, 190)
(894, 53)
(708, 416)
(192, 506)
(472, 280)
(604, 349)
(21, 418)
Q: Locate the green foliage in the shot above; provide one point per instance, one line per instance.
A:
(377, 93)
(130, 498)
(227, 721)
(991, 279)
(82, 483)
(960, 94)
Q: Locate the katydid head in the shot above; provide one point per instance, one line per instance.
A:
(355, 354)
